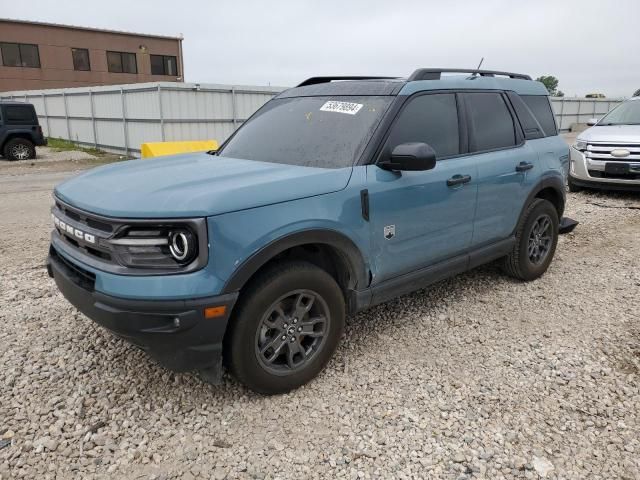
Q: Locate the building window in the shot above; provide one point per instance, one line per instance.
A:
(20, 55)
(81, 59)
(122, 62)
(164, 65)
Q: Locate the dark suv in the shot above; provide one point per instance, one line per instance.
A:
(20, 131)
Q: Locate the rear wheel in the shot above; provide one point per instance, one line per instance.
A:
(536, 240)
(19, 149)
(286, 327)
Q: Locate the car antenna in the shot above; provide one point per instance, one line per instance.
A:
(475, 73)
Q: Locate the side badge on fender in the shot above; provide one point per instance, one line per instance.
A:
(389, 232)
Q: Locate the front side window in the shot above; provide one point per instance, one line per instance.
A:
(164, 65)
(80, 59)
(627, 113)
(20, 55)
(324, 132)
(431, 119)
(490, 121)
(122, 62)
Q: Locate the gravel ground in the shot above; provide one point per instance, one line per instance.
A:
(477, 377)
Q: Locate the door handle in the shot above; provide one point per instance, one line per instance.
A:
(524, 166)
(458, 180)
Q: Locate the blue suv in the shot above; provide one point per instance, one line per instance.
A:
(336, 195)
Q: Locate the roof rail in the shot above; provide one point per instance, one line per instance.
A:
(436, 73)
(317, 80)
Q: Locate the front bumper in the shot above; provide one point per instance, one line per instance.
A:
(173, 332)
(579, 174)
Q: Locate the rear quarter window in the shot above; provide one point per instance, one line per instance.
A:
(541, 109)
(19, 115)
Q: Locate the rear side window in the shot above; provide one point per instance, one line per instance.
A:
(541, 109)
(19, 114)
(490, 121)
(431, 119)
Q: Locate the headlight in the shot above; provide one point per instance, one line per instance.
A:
(163, 246)
(580, 145)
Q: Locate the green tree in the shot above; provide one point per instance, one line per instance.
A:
(550, 82)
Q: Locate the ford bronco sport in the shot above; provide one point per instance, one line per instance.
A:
(20, 131)
(336, 195)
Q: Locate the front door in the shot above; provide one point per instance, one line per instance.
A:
(419, 218)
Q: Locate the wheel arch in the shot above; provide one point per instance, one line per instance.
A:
(550, 188)
(328, 249)
(24, 134)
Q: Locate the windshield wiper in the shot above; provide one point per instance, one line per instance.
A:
(609, 124)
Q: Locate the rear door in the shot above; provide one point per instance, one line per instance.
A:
(506, 165)
(417, 218)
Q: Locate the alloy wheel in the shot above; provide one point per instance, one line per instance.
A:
(540, 239)
(20, 151)
(292, 331)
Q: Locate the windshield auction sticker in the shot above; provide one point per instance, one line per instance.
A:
(341, 107)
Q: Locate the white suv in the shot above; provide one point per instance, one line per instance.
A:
(607, 155)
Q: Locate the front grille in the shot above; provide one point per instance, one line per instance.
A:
(603, 174)
(602, 152)
(87, 223)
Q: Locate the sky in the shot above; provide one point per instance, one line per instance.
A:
(590, 46)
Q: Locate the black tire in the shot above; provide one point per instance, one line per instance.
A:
(521, 263)
(19, 149)
(250, 331)
(573, 188)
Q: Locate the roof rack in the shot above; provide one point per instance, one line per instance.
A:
(317, 80)
(436, 73)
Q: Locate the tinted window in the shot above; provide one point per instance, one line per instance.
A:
(164, 65)
(19, 114)
(541, 109)
(326, 132)
(530, 125)
(431, 119)
(20, 55)
(490, 121)
(80, 59)
(121, 62)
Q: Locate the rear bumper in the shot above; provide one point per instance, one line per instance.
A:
(173, 332)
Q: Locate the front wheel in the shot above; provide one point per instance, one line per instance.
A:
(286, 327)
(536, 240)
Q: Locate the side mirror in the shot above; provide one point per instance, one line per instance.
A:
(410, 157)
(592, 121)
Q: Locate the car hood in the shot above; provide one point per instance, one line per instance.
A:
(612, 133)
(194, 185)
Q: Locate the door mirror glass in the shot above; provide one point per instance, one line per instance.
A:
(592, 121)
(414, 156)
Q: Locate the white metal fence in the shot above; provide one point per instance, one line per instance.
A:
(570, 111)
(120, 118)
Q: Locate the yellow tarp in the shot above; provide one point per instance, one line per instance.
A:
(157, 149)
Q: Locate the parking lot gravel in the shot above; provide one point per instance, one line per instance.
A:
(479, 376)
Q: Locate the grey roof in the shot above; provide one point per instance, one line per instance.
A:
(347, 87)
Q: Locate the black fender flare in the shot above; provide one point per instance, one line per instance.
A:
(340, 242)
(555, 182)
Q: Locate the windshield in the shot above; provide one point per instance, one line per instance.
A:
(627, 113)
(325, 132)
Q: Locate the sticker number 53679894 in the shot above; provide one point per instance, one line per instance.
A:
(341, 107)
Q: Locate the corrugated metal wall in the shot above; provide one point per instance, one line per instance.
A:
(120, 118)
